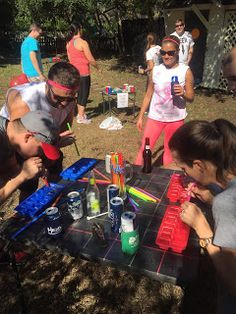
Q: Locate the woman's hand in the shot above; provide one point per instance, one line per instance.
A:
(178, 90)
(139, 123)
(66, 138)
(194, 218)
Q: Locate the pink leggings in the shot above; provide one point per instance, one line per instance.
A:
(153, 130)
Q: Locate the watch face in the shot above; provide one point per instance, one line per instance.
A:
(202, 243)
(205, 242)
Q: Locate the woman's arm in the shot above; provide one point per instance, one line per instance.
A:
(150, 65)
(145, 104)
(224, 259)
(88, 54)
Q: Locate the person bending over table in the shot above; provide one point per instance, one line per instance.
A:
(80, 56)
(167, 112)
(57, 96)
(206, 151)
(32, 138)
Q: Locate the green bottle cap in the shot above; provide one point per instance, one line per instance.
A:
(92, 181)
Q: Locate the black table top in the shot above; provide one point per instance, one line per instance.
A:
(77, 238)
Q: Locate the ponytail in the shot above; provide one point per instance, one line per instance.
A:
(151, 40)
(73, 30)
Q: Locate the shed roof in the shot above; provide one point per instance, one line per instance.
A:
(185, 3)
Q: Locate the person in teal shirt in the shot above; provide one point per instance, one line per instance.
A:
(30, 55)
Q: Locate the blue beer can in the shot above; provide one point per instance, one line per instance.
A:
(174, 80)
(112, 191)
(53, 220)
(116, 208)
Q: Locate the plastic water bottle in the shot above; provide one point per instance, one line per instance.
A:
(147, 156)
(174, 80)
(92, 197)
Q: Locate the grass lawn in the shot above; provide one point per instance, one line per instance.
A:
(60, 284)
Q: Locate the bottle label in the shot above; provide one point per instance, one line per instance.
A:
(147, 147)
(95, 206)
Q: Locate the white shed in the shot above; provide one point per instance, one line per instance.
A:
(214, 27)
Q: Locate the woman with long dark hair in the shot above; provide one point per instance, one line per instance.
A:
(80, 56)
(168, 105)
(206, 151)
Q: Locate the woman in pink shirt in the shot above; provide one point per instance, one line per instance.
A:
(167, 105)
(80, 56)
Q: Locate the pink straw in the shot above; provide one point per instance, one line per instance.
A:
(97, 181)
(101, 174)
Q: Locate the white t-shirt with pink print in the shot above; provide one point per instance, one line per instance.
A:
(165, 107)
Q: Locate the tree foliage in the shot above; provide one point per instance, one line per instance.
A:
(99, 17)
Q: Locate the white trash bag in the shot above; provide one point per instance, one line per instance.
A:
(111, 123)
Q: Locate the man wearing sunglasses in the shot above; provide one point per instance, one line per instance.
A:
(186, 42)
(56, 96)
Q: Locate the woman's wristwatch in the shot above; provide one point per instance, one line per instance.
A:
(204, 242)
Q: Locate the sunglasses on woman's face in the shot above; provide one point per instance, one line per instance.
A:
(169, 53)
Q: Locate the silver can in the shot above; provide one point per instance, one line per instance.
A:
(112, 191)
(75, 205)
(128, 221)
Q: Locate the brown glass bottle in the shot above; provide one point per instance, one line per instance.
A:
(147, 157)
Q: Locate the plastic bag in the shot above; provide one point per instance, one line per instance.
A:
(111, 123)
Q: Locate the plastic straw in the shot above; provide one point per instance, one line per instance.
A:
(149, 194)
(140, 194)
(76, 146)
(97, 181)
(45, 181)
(101, 174)
(99, 215)
(132, 203)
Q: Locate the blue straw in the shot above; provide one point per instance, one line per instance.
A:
(133, 204)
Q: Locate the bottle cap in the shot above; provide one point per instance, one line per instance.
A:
(147, 140)
(92, 181)
(174, 79)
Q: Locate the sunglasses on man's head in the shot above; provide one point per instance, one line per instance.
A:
(179, 25)
(61, 98)
(169, 53)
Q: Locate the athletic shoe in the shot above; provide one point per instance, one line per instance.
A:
(83, 119)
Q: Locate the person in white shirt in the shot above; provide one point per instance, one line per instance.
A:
(151, 52)
(186, 42)
(167, 103)
(229, 70)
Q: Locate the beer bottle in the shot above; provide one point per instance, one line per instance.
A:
(92, 197)
(147, 157)
(174, 80)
